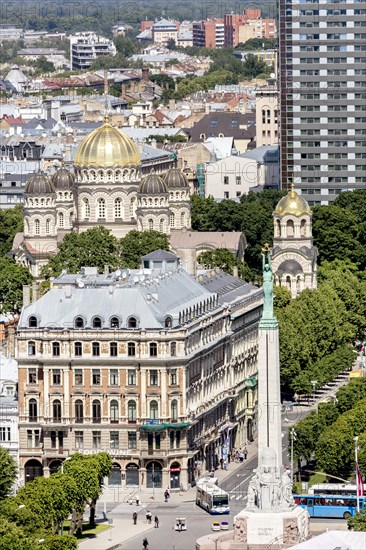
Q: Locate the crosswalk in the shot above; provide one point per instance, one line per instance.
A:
(236, 496)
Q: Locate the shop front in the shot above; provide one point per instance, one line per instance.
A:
(175, 470)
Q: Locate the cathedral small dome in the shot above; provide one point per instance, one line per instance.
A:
(152, 185)
(40, 184)
(292, 204)
(63, 179)
(107, 147)
(176, 179)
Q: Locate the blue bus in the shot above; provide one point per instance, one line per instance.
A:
(330, 506)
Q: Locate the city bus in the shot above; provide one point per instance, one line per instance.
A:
(347, 489)
(330, 506)
(212, 498)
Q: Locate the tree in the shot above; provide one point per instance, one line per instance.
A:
(44, 65)
(12, 537)
(225, 260)
(12, 278)
(95, 247)
(357, 522)
(8, 469)
(257, 44)
(253, 67)
(11, 222)
(171, 45)
(138, 243)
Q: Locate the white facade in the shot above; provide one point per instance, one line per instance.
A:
(85, 47)
(9, 438)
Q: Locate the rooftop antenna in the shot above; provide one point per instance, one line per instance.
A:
(106, 101)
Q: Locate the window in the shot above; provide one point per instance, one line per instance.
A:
(31, 348)
(114, 413)
(118, 208)
(173, 349)
(96, 440)
(78, 349)
(97, 322)
(173, 377)
(79, 411)
(131, 411)
(96, 377)
(162, 226)
(131, 349)
(86, 208)
(226, 180)
(53, 440)
(153, 349)
(132, 440)
(114, 322)
(61, 219)
(174, 411)
(33, 322)
(154, 410)
(78, 377)
(114, 440)
(101, 208)
(79, 322)
(154, 378)
(131, 377)
(177, 440)
(238, 180)
(157, 441)
(37, 227)
(171, 438)
(132, 322)
(33, 416)
(95, 349)
(5, 434)
(96, 411)
(48, 226)
(226, 194)
(56, 349)
(168, 322)
(113, 349)
(79, 440)
(56, 410)
(113, 377)
(32, 376)
(172, 219)
(56, 377)
(151, 224)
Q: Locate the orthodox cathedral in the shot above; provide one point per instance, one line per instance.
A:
(105, 188)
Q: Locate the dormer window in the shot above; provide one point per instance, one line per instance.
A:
(132, 322)
(114, 322)
(79, 322)
(33, 322)
(97, 322)
(168, 322)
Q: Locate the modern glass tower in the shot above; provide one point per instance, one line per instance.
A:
(322, 79)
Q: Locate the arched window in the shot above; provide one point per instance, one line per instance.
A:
(288, 282)
(151, 224)
(303, 228)
(37, 227)
(114, 413)
(48, 226)
(97, 322)
(101, 208)
(172, 219)
(278, 226)
(114, 322)
(290, 228)
(183, 219)
(61, 219)
(118, 208)
(79, 322)
(33, 322)
(162, 226)
(174, 410)
(168, 322)
(33, 414)
(132, 208)
(56, 410)
(131, 411)
(86, 209)
(132, 322)
(154, 410)
(96, 411)
(79, 411)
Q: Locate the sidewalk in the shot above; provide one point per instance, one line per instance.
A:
(121, 530)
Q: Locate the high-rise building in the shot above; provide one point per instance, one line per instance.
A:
(86, 47)
(322, 75)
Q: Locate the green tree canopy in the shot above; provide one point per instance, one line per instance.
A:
(138, 243)
(8, 469)
(11, 222)
(12, 278)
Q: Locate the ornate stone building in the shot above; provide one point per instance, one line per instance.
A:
(152, 365)
(294, 254)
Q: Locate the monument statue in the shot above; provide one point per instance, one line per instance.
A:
(267, 283)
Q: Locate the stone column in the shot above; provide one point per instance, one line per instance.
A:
(46, 389)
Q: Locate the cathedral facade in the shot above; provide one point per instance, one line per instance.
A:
(105, 188)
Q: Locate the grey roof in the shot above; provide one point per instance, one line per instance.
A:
(152, 184)
(46, 124)
(160, 255)
(164, 23)
(228, 288)
(264, 154)
(53, 150)
(290, 266)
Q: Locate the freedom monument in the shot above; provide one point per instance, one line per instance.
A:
(271, 519)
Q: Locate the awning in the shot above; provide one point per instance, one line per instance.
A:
(152, 427)
(164, 426)
(251, 382)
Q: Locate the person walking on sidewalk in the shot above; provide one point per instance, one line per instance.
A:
(166, 495)
(148, 516)
(245, 453)
(241, 456)
(145, 544)
(156, 520)
(134, 517)
(225, 464)
(222, 463)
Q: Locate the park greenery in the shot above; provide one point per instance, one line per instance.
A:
(34, 518)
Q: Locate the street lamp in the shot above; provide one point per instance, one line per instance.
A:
(293, 435)
(357, 448)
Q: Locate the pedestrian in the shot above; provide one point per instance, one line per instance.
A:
(137, 498)
(134, 517)
(166, 495)
(145, 544)
(245, 453)
(148, 516)
(156, 520)
(241, 456)
(222, 463)
(225, 464)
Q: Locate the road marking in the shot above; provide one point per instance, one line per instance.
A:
(241, 483)
(239, 497)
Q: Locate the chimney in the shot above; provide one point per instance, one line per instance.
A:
(153, 143)
(34, 292)
(235, 271)
(123, 91)
(26, 295)
(145, 74)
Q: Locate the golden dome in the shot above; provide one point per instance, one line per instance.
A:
(292, 204)
(107, 147)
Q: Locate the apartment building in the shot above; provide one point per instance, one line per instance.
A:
(155, 367)
(209, 33)
(322, 81)
(86, 47)
(163, 31)
(266, 114)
